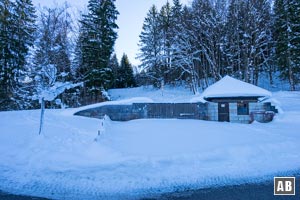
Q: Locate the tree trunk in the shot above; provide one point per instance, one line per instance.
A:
(271, 76)
(256, 76)
(291, 77)
(291, 80)
(194, 84)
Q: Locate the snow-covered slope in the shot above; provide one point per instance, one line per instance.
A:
(131, 159)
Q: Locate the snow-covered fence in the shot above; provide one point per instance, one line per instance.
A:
(203, 111)
(176, 110)
(148, 110)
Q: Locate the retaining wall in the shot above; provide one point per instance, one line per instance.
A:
(148, 110)
(202, 111)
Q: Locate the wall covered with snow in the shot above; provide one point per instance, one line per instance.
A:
(202, 111)
(148, 110)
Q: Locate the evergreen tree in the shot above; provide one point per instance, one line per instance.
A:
(114, 65)
(25, 29)
(125, 76)
(176, 14)
(248, 39)
(295, 41)
(96, 42)
(6, 19)
(202, 42)
(219, 32)
(17, 26)
(175, 28)
(233, 40)
(165, 27)
(176, 19)
(261, 39)
(186, 54)
(150, 47)
(207, 39)
(287, 39)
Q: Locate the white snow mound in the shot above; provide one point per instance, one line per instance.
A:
(231, 87)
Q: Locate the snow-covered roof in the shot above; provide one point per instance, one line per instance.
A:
(231, 87)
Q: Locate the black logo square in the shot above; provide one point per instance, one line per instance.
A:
(284, 185)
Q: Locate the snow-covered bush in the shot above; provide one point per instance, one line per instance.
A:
(46, 88)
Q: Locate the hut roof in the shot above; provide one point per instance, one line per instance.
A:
(231, 87)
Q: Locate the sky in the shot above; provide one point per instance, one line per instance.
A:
(130, 21)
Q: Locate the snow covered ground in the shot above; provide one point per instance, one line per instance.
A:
(135, 158)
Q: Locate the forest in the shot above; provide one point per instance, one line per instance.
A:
(50, 59)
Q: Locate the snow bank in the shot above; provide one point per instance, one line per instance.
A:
(198, 98)
(132, 159)
(231, 87)
(167, 95)
(118, 102)
(274, 102)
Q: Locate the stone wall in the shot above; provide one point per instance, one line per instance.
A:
(254, 107)
(234, 117)
(148, 110)
(262, 112)
(212, 111)
(202, 111)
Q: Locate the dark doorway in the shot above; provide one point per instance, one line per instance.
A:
(223, 110)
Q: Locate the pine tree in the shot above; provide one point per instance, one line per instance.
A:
(233, 40)
(125, 76)
(25, 29)
(150, 47)
(165, 27)
(176, 15)
(294, 12)
(114, 65)
(176, 19)
(248, 38)
(202, 42)
(261, 39)
(219, 31)
(175, 28)
(17, 26)
(287, 39)
(25, 32)
(96, 42)
(6, 19)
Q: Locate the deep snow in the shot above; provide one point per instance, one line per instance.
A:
(231, 87)
(135, 158)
